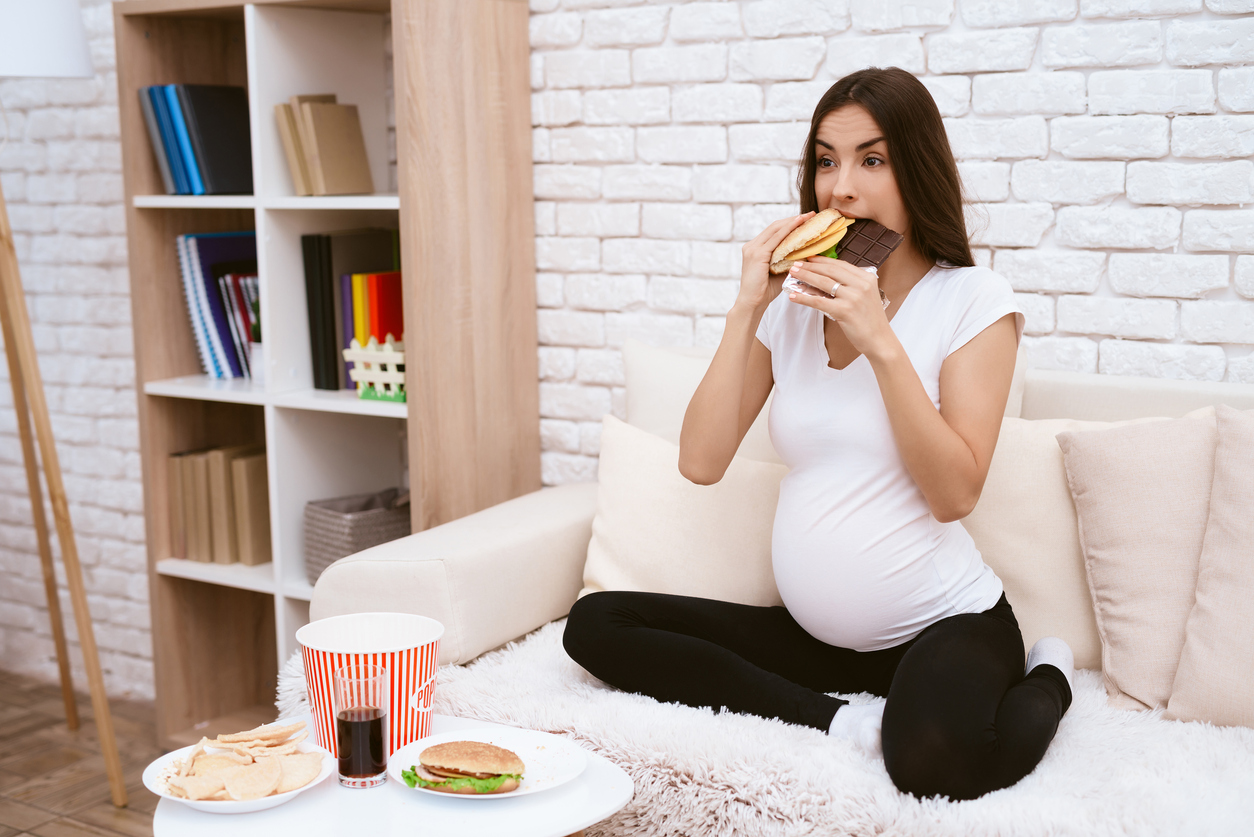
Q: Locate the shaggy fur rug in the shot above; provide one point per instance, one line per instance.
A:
(698, 772)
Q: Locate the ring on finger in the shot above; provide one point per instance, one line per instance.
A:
(832, 292)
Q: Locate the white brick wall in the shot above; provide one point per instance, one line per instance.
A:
(61, 174)
(1103, 145)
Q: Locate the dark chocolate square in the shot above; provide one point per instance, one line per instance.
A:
(868, 243)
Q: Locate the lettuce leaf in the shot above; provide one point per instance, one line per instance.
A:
(831, 251)
(412, 778)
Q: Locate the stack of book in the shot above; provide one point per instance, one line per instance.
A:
(219, 506)
(326, 152)
(219, 273)
(199, 135)
(353, 291)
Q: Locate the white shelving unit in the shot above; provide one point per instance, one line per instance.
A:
(463, 140)
(319, 443)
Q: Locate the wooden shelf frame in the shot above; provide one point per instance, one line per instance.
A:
(470, 430)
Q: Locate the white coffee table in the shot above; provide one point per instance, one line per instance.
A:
(331, 810)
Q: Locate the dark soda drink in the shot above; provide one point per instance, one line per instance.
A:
(359, 736)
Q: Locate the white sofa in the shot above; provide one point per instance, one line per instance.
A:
(498, 574)
(509, 570)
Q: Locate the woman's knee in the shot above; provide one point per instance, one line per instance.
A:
(587, 624)
(930, 758)
(915, 759)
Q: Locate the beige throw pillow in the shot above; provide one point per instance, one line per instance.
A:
(656, 531)
(1142, 496)
(1215, 679)
(1025, 528)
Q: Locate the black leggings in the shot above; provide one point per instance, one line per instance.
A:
(960, 720)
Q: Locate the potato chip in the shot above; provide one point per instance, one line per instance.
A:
(265, 732)
(299, 770)
(290, 746)
(216, 763)
(186, 769)
(255, 780)
(197, 787)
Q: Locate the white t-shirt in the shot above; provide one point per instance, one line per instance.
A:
(859, 559)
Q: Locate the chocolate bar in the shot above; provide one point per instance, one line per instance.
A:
(867, 243)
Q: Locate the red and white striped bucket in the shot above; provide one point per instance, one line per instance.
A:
(408, 646)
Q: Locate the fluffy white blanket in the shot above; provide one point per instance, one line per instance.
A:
(697, 772)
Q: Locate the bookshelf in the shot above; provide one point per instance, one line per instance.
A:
(469, 434)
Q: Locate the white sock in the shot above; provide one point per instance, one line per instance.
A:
(860, 724)
(1055, 652)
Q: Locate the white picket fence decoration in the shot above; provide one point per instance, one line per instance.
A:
(380, 367)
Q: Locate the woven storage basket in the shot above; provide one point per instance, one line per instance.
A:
(343, 526)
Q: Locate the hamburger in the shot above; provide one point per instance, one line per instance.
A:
(816, 237)
(466, 767)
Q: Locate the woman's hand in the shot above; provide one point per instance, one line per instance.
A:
(856, 307)
(757, 286)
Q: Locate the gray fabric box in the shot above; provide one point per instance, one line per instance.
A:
(342, 526)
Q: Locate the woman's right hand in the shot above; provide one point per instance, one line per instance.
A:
(757, 286)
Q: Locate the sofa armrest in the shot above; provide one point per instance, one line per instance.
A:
(489, 577)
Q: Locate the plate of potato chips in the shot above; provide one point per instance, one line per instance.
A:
(242, 772)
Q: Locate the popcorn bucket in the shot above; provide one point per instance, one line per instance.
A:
(408, 646)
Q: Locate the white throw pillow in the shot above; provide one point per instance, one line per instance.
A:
(660, 383)
(655, 531)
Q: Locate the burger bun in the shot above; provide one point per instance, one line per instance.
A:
(810, 238)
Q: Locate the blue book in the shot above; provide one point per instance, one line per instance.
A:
(175, 160)
(184, 139)
(206, 250)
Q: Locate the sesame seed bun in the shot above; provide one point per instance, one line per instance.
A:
(471, 758)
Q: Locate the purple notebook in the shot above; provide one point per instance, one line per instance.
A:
(346, 306)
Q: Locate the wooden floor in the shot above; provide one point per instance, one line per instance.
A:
(52, 780)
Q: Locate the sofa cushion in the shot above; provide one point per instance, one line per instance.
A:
(1024, 526)
(1214, 681)
(1142, 496)
(656, 531)
(660, 383)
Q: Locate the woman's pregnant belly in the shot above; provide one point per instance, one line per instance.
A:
(857, 575)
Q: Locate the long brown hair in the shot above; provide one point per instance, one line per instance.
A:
(918, 151)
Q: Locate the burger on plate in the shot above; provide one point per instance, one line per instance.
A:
(466, 767)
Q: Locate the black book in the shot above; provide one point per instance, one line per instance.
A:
(217, 123)
(327, 257)
(352, 251)
(311, 250)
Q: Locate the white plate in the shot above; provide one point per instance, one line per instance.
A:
(152, 781)
(550, 760)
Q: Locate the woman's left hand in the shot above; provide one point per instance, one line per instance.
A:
(856, 307)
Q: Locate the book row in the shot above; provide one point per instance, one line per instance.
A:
(324, 146)
(219, 505)
(200, 137)
(219, 275)
(353, 294)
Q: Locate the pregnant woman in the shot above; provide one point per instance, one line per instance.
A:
(887, 418)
